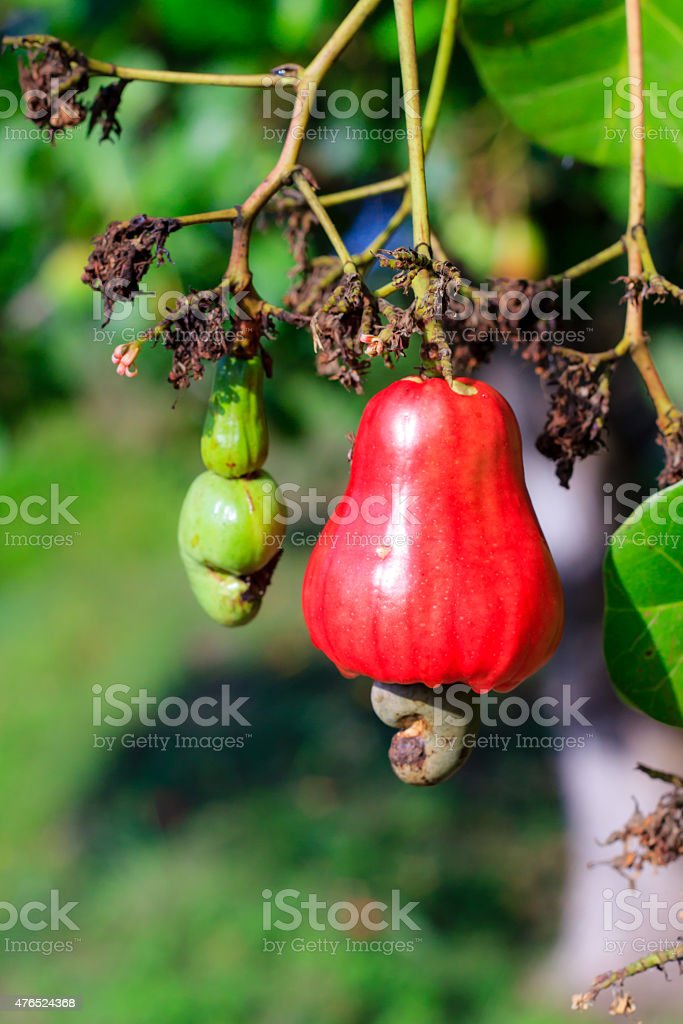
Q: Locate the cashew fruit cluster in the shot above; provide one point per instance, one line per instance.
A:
(232, 523)
(434, 569)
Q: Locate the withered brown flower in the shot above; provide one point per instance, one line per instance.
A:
(337, 326)
(196, 332)
(104, 110)
(123, 254)
(673, 465)
(579, 406)
(50, 81)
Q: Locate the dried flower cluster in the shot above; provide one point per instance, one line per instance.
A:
(122, 256)
(50, 81)
(298, 221)
(104, 110)
(202, 329)
(195, 332)
(579, 406)
(314, 286)
(655, 839)
(338, 327)
(53, 82)
(672, 444)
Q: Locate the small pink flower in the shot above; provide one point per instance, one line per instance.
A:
(124, 357)
(374, 345)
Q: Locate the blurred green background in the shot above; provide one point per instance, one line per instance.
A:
(167, 853)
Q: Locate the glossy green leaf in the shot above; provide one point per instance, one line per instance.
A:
(558, 72)
(643, 573)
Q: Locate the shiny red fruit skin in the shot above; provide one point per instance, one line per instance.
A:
(470, 592)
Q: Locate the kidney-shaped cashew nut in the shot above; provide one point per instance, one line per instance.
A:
(434, 740)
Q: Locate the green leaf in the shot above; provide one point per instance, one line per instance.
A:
(557, 71)
(643, 574)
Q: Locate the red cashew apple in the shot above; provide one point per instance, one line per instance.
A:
(433, 567)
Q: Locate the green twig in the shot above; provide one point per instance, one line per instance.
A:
(375, 188)
(651, 276)
(669, 418)
(655, 773)
(591, 263)
(606, 981)
(112, 70)
(238, 273)
(442, 64)
(405, 28)
(211, 217)
(262, 81)
(325, 221)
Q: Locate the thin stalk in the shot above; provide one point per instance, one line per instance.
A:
(211, 217)
(325, 222)
(375, 188)
(442, 64)
(591, 263)
(405, 28)
(110, 69)
(669, 418)
(263, 81)
(308, 82)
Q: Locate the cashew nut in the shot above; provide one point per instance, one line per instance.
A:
(434, 741)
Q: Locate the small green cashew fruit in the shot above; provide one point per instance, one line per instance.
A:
(235, 435)
(435, 739)
(225, 598)
(235, 526)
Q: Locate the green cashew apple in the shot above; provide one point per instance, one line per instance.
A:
(235, 436)
(225, 598)
(233, 525)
